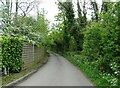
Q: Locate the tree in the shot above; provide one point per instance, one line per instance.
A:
(101, 46)
(6, 14)
(25, 6)
(95, 10)
(6, 11)
(67, 14)
(104, 7)
(23, 25)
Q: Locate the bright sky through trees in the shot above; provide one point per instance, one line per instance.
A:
(52, 9)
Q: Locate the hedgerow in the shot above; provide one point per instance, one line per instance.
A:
(12, 53)
(102, 44)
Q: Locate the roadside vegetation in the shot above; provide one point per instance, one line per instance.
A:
(17, 28)
(93, 45)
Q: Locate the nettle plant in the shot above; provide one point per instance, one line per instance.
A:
(12, 54)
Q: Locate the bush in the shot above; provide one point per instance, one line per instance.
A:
(101, 46)
(91, 45)
(12, 53)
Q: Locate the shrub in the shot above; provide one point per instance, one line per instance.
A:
(102, 46)
(91, 45)
(12, 53)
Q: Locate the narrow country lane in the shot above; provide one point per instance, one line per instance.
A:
(57, 72)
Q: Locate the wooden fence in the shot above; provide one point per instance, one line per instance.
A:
(0, 51)
(32, 55)
(0, 65)
(0, 58)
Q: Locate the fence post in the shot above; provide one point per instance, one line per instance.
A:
(33, 52)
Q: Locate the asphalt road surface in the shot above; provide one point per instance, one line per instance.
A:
(57, 72)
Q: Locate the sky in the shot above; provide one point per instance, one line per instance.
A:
(51, 9)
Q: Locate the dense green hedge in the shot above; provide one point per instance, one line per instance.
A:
(101, 45)
(11, 53)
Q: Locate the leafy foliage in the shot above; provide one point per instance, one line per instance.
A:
(91, 45)
(54, 41)
(67, 9)
(11, 53)
(35, 30)
(101, 43)
(99, 40)
(70, 29)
